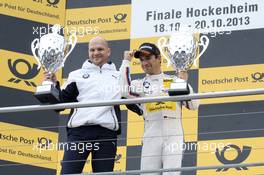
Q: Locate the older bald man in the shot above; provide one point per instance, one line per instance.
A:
(91, 130)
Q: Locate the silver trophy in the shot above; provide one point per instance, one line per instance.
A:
(182, 50)
(51, 51)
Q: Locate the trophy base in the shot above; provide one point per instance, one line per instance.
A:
(178, 88)
(47, 94)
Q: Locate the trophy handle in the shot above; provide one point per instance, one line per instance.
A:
(72, 42)
(204, 44)
(162, 44)
(34, 47)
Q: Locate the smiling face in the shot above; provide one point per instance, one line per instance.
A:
(99, 51)
(150, 63)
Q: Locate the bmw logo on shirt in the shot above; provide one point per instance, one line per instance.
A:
(146, 84)
(85, 76)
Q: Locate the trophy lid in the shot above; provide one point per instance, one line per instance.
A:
(56, 28)
(181, 41)
(53, 39)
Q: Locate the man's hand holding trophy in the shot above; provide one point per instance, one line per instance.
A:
(182, 50)
(51, 51)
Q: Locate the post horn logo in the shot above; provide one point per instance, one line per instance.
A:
(242, 155)
(258, 77)
(53, 3)
(120, 17)
(44, 142)
(50, 3)
(31, 72)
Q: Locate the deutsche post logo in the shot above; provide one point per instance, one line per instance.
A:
(44, 142)
(258, 77)
(50, 3)
(242, 155)
(120, 17)
(53, 3)
(32, 71)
